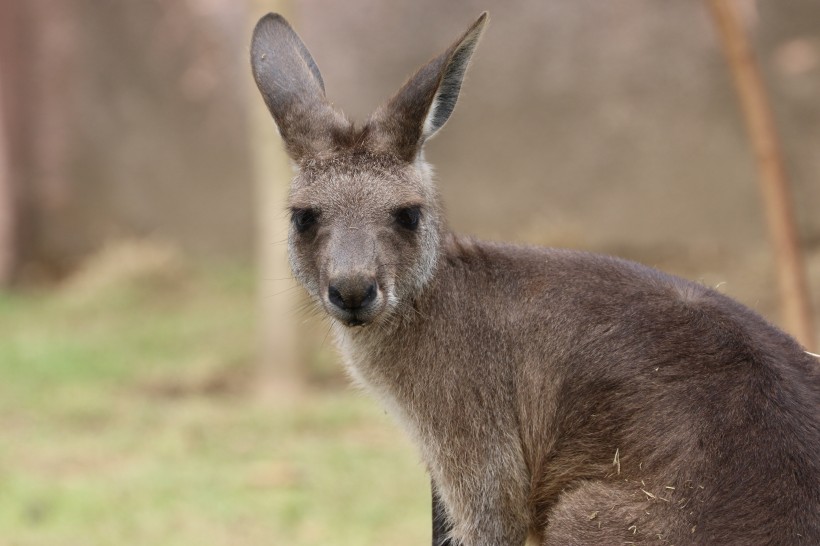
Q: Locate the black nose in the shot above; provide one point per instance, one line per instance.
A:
(352, 294)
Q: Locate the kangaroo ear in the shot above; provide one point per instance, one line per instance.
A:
(292, 87)
(423, 105)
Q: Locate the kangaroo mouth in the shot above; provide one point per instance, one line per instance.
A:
(356, 317)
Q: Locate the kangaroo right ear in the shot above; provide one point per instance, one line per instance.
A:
(423, 105)
(292, 87)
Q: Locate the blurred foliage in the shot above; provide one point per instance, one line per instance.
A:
(132, 414)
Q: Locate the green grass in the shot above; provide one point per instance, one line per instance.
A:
(129, 415)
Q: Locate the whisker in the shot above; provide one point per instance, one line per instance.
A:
(285, 291)
(329, 328)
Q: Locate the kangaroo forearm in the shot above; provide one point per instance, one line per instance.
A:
(441, 525)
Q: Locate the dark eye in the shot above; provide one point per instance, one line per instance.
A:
(408, 217)
(303, 219)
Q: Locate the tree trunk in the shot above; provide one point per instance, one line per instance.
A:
(10, 77)
(277, 295)
(8, 251)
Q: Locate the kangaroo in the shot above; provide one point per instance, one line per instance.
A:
(559, 395)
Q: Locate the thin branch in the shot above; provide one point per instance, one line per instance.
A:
(774, 184)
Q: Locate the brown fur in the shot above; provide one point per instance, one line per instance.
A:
(579, 398)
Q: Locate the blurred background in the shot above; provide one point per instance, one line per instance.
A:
(160, 379)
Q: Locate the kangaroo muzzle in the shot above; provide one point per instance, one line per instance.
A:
(353, 294)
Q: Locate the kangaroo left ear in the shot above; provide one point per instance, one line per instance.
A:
(424, 104)
(293, 90)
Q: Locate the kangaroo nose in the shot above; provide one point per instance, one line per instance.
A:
(352, 294)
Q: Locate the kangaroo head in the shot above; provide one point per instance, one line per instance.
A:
(365, 220)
